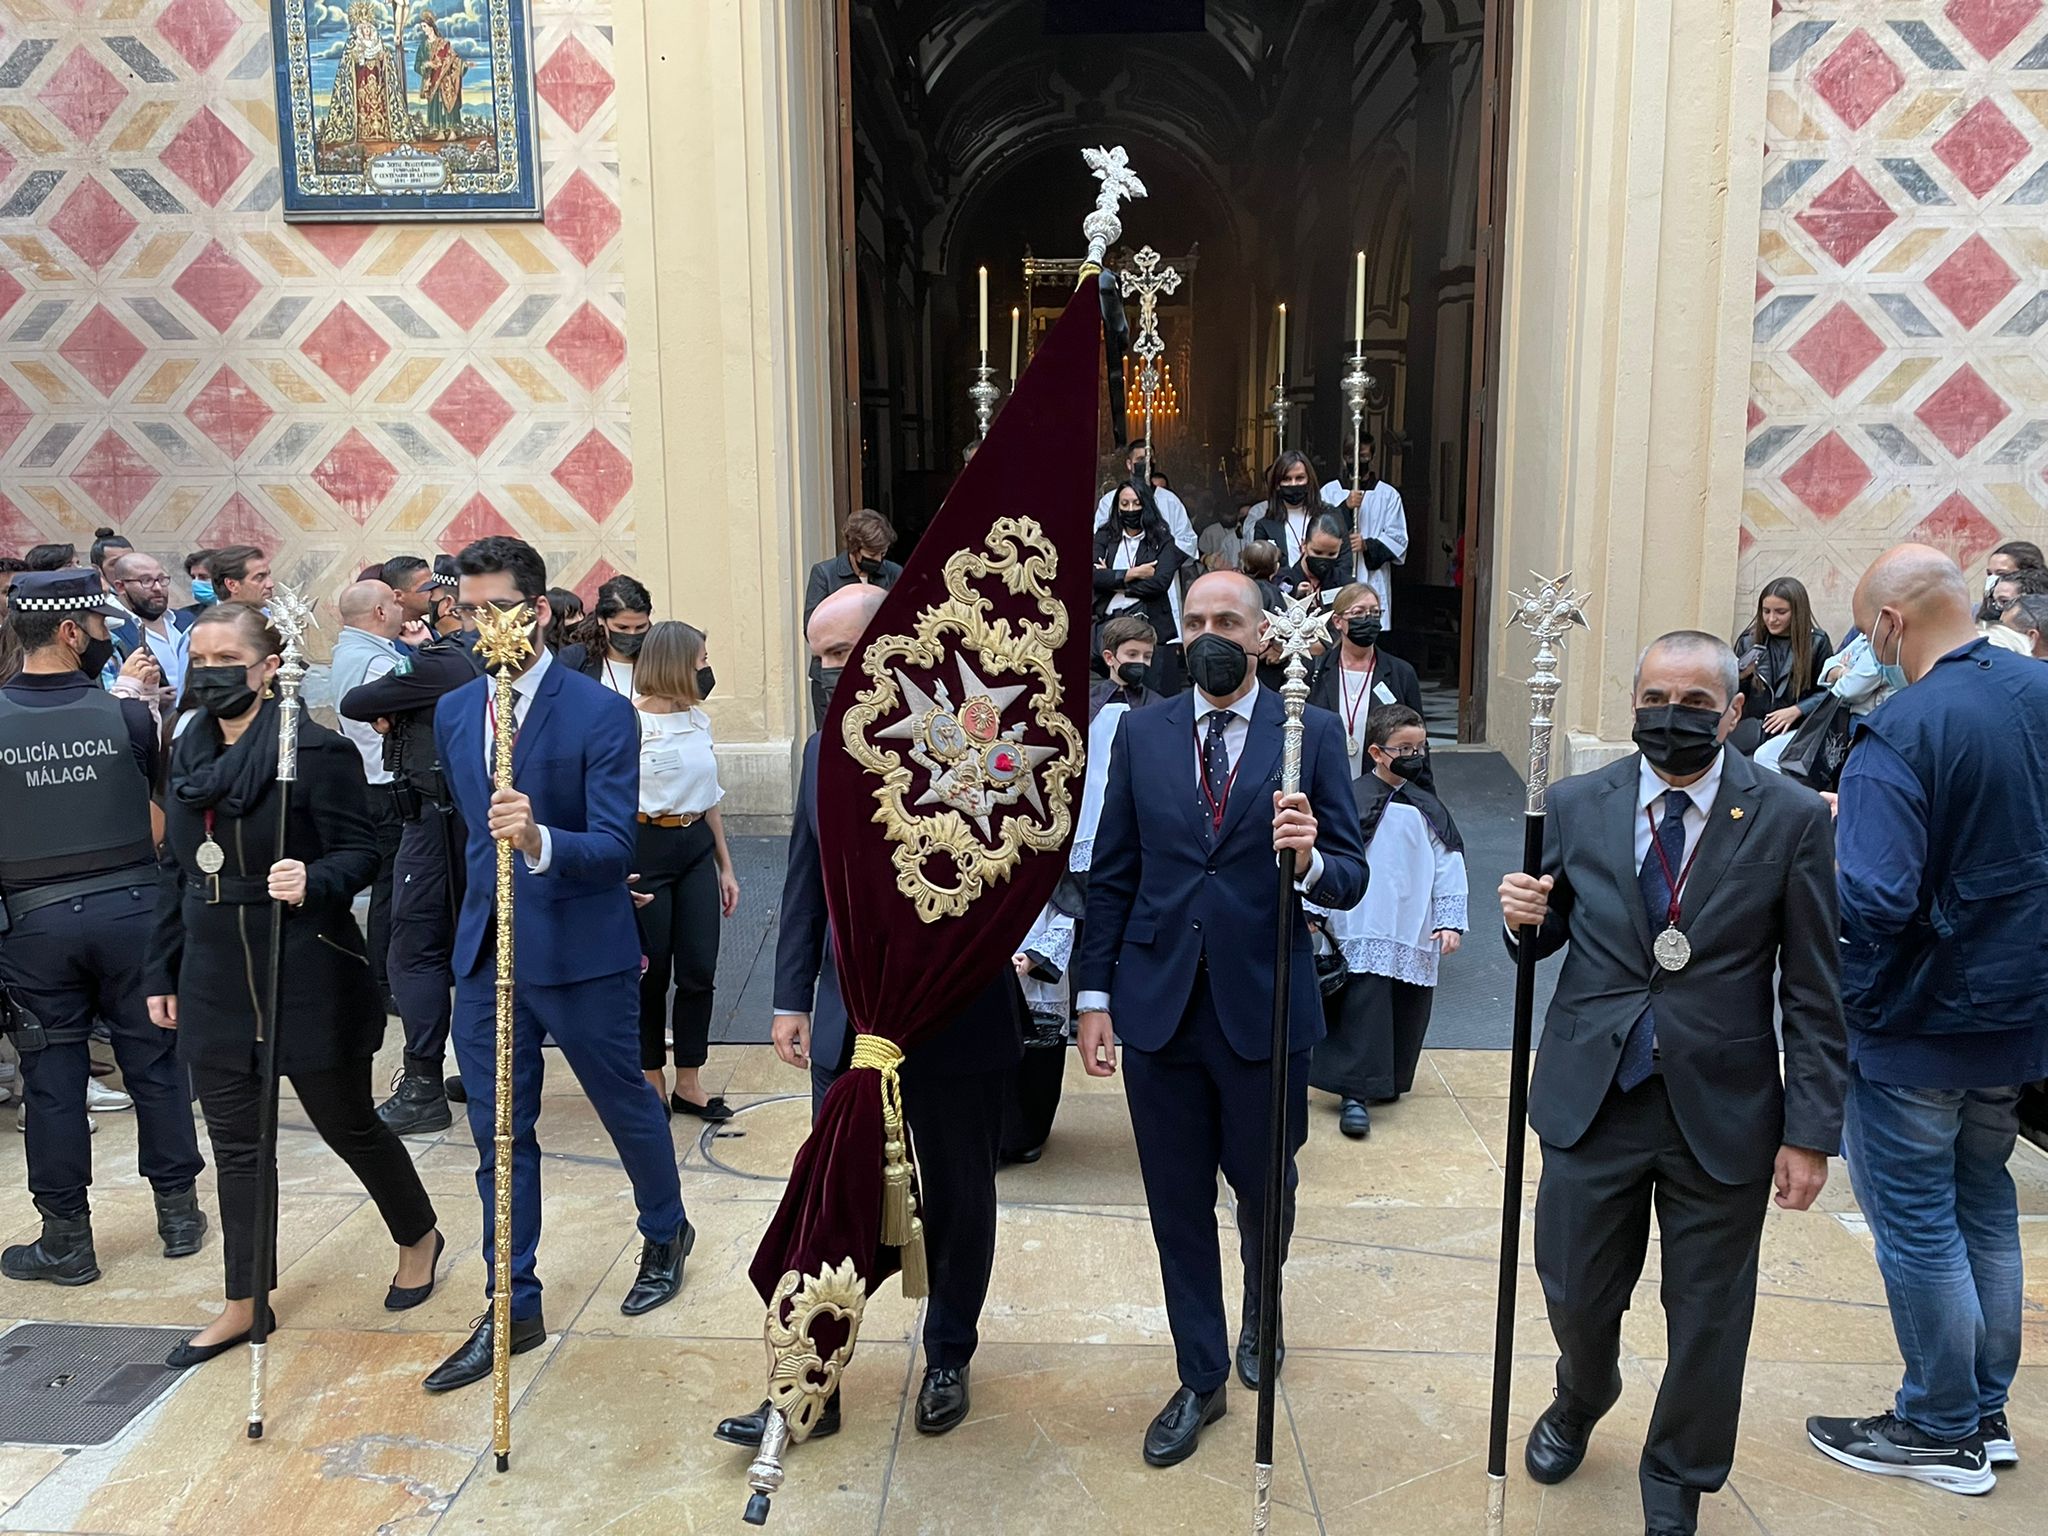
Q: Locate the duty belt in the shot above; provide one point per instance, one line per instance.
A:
(35, 898)
(230, 890)
(680, 819)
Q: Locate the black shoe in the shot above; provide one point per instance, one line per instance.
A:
(1558, 1442)
(1998, 1442)
(472, 1362)
(745, 1429)
(188, 1354)
(1248, 1348)
(418, 1107)
(1025, 1158)
(1173, 1435)
(403, 1298)
(714, 1108)
(1890, 1447)
(180, 1223)
(63, 1255)
(455, 1092)
(661, 1272)
(942, 1401)
(1355, 1120)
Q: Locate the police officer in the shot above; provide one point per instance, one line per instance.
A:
(427, 880)
(78, 879)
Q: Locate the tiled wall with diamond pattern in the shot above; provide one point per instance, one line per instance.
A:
(178, 362)
(1900, 367)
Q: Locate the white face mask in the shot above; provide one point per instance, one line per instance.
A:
(1990, 580)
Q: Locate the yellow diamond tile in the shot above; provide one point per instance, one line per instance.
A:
(46, 266)
(122, 10)
(1888, 508)
(543, 511)
(1779, 257)
(54, 501)
(1761, 513)
(295, 507)
(2017, 500)
(283, 259)
(530, 258)
(529, 378)
(291, 383)
(136, 133)
(1913, 119)
(2035, 102)
(261, 114)
(1899, 380)
(178, 505)
(33, 135)
(418, 508)
(151, 260)
(2033, 245)
(406, 383)
(47, 382)
(401, 252)
(1907, 253)
(165, 381)
(2021, 376)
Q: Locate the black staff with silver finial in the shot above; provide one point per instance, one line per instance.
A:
(1548, 612)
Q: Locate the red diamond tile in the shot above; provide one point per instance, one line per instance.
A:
(582, 218)
(198, 29)
(207, 156)
(337, 242)
(588, 346)
(228, 412)
(1744, 539)
(113, 475)
(1763, 286)
(1858, 78)
(1982, 148)
(1756, 415)
(1837, 349)
(217, 285)
(1973, 281)
(82, 94)
(1991, 24)
(93, 224)
(345, 348)
(14, 416)
(596, 474)
(1963, 411)
(1847, 215)
(239, 521)
(574, 83)
(593, 578)
(356, 475)
(1828, 476)
(463, 284)
(1959, 529)
(478, 519)
(471, 412)
(103, 349)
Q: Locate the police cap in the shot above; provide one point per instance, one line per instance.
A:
(71, 592)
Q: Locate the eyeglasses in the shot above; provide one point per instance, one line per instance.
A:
(146, 581)
(473, 610)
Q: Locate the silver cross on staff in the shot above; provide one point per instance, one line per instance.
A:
(1297, 629)
(1548, 612)
(1112, 167)
(1147, 282)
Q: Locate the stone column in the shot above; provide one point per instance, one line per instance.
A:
(1634, 204)
(724, 138)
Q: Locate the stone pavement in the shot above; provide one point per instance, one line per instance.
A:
(1384, 1398)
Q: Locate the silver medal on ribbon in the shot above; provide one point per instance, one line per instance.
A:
(210, 859)
(1672, 949)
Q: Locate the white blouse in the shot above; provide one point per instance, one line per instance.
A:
(678, 770)
(617, 675)
(1417, 887)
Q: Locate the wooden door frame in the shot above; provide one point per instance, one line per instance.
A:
(1482, 445)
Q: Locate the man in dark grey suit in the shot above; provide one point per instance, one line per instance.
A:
(1679, 881)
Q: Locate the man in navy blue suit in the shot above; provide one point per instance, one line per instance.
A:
(576, 772)
(952, 1087)
(1180, 896)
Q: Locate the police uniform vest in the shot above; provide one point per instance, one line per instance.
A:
(74, 801)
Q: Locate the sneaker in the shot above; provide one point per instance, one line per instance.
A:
(98, 1096)
(1998, 1442)
(92, 1126)
(1888, 1446)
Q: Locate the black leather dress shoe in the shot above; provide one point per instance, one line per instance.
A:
(1558, 1443)
(1177, 1430)
(1355, 1120)
(745, 1429)
(187, 1354)
(472, 1362)
(942, 1401)
(1248, 1349)
(661, 1272)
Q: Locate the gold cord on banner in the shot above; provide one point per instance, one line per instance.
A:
(901, 1228)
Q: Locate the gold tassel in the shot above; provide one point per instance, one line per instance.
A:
(916, 1277)
(899, 1220)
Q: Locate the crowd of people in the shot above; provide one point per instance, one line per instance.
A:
(1803, 919)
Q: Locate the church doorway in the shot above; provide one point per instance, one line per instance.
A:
(1278, 139)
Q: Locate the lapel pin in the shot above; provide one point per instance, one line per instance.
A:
(1735, 813)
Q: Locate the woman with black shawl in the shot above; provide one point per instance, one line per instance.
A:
(1412, 914)
(219, 893)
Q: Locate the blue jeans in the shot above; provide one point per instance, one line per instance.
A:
(1929, 1168)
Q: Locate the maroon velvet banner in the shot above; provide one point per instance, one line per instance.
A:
(957, 733)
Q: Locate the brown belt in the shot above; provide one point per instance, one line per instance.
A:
(685, 819)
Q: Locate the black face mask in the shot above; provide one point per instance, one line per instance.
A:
(1217, 665)
(223, 692)
(829, 678)
(1677, 738)
(1321, 569)
(1294, 495)
(869, 567)
(627, 646)
(1364, 633)
(1411, 767)
(1132, 674)
(1131, 518)
(706, 681)
(98, 652)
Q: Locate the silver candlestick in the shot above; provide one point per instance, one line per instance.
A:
(984, 394)
(1279, 419)
(1355, 383)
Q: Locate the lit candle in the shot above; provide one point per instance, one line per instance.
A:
(1281, 376)
(1359, 329)
(1013, 344)
(984, 313)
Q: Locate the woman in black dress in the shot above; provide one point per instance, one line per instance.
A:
(1137, 565)
(218, 896)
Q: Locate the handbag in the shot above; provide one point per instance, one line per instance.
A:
(1332, 974)
(1819, 745)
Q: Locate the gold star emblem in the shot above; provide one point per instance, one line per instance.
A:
(1735, 813)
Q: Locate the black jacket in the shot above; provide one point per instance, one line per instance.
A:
(213, 957)
(1769, 687)
(406, 698)
(1155, 548)
(828, 576)
(1325, 688)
